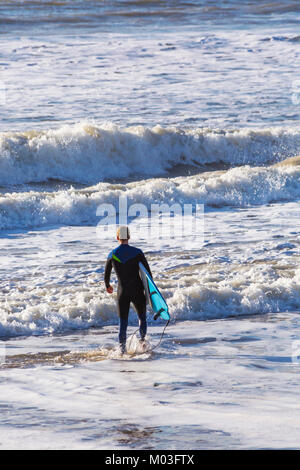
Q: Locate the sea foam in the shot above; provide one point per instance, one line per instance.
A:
(87, 153)
(237, 187)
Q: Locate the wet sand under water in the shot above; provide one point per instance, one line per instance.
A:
(228, 383)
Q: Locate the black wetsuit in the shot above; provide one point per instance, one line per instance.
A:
(125, 260)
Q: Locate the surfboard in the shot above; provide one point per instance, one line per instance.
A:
(153, 296)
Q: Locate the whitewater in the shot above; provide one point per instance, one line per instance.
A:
(159, 103)
(85, 153)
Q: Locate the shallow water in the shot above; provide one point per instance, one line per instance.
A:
(247, 262)
(185, 102)
(233, 386)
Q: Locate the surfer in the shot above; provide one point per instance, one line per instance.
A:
(125, 259)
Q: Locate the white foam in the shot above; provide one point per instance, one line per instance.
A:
(231, 382)
(238, 187)
(87, 153)
(219, 77)
(214, 291)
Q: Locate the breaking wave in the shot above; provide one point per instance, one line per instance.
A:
(237, 187)
(86, 153)
(259, 292)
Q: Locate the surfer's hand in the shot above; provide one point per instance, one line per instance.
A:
(110, 289)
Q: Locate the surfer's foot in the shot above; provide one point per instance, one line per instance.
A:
(122, 348)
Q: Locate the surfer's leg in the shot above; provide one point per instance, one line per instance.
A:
(139, 303)
(143, 325)
(123, 310)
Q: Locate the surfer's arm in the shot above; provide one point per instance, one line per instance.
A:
(107, 272)
(145, 263)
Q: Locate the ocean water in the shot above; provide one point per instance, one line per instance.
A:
(189, 102)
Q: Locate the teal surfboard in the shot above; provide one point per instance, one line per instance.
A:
(153, 296)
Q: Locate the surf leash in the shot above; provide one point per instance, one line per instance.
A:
(151, 349)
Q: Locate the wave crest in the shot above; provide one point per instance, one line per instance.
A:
(237, 187)
(86, 153)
